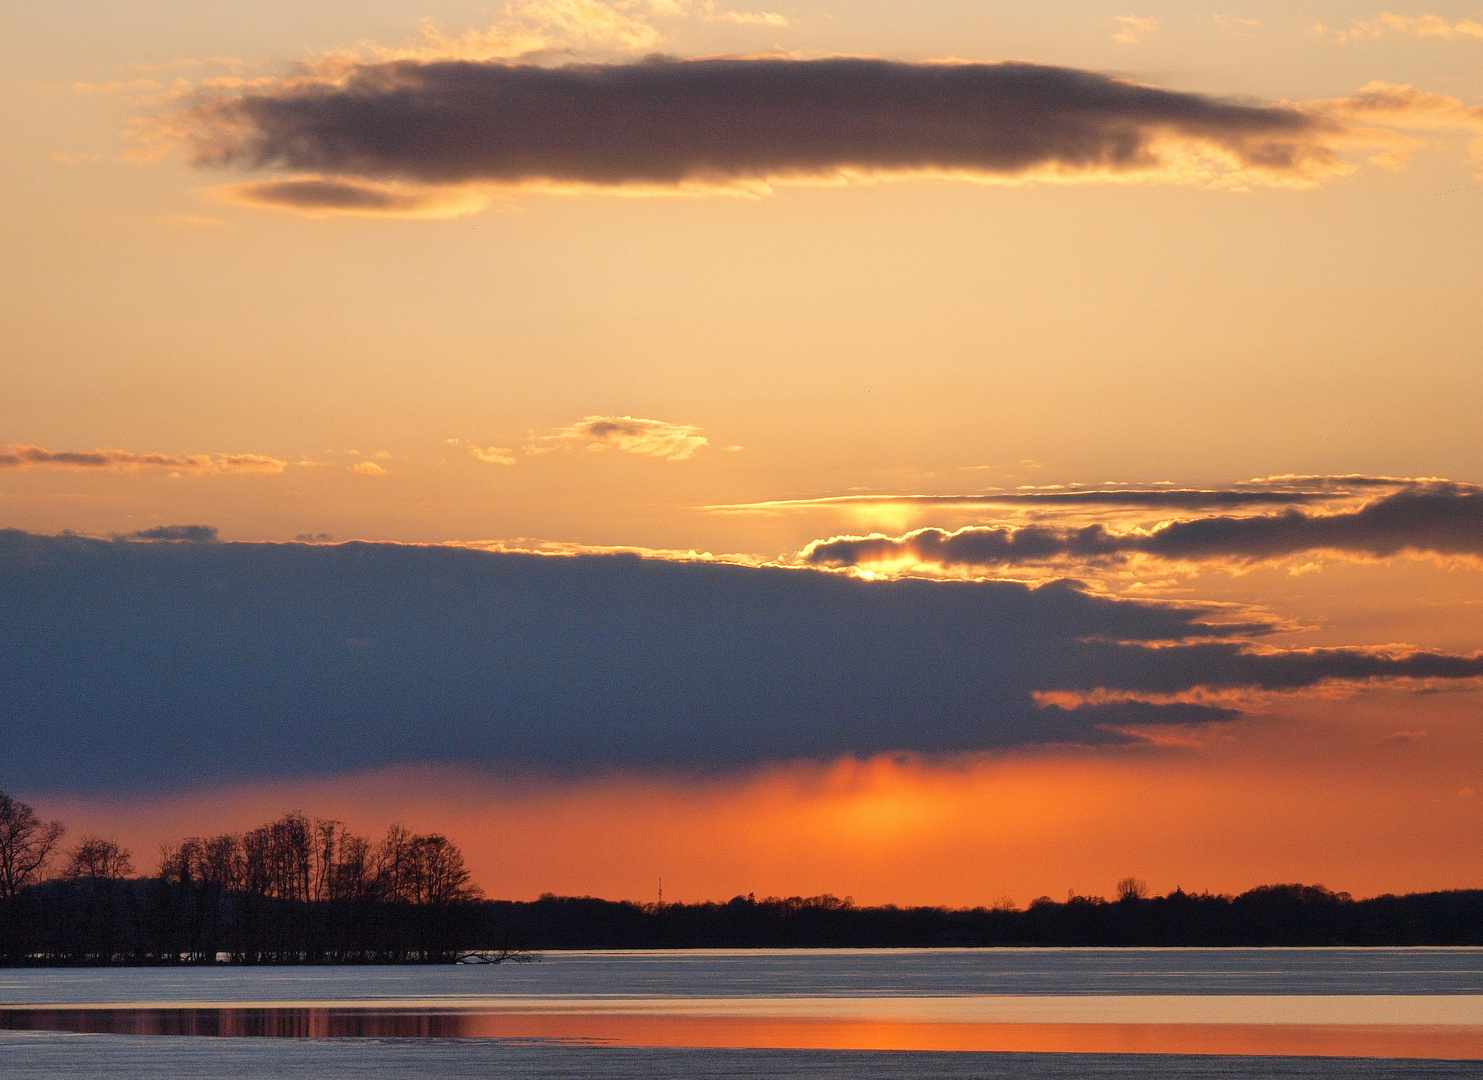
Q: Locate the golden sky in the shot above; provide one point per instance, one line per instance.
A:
(949, 289)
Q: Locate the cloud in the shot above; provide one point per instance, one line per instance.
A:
(186, 534)
(1434, 518)
(559, 28)
(146, 666)
(711, 13)
(490, 455)
(1235, 28)
(1131, 29)
(320, 196)
(22, 456)
(1272, 491)
(742, 124)
(530, 29)
(367, 468)
(1388, 22)
(629, 434)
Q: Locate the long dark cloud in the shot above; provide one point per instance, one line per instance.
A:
(129, 666)
(670, 122)
(1442, 519)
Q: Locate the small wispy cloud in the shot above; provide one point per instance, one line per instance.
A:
(1131, 29)
(327, 196)
(1389, 23)
(1236, 28)
(535, 29)
(490, 455)
(629, 435)
(23, 456)
(368, 468)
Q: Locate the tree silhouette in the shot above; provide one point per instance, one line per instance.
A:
(26, 842)
(97, 859)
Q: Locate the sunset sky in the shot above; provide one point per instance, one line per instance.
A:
(927, 452)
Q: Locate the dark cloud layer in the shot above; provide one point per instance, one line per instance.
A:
(667, 122)
(1443, 519)
(128, 665)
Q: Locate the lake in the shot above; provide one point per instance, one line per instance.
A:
(777, 1013)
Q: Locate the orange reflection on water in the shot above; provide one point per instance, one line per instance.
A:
(1436, 1041)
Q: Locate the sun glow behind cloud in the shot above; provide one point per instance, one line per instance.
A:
(1359, 809)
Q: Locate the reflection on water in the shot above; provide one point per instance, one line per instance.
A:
(655, 1029)
(1372, 1003)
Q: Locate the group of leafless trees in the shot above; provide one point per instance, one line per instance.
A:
(293, 890)
(288, 859)
(294, 859)
(27, 845)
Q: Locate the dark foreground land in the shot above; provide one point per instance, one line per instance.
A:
(155, 921)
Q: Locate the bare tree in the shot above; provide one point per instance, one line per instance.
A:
(26, 842)
(421, 869)
(395, 863)
(98, 859)
(1131, 888)
(441, 877)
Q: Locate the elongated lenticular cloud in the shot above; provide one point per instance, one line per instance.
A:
(21, 456)
(726, 122)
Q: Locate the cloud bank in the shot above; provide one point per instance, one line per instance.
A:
(1437, 519)
(22, 456)
(146, 666)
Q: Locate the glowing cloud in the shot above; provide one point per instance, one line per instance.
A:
(1131, 29)
(490, 455)
(22, 456)
(1388, 22)
(1440, 519)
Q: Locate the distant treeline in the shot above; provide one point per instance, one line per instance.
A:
(294, 891)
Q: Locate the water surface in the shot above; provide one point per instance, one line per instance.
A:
(1319, 1009)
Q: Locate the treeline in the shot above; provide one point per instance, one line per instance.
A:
(1293, 915)
(296, 891)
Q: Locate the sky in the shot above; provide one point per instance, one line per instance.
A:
(928, 452)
